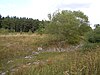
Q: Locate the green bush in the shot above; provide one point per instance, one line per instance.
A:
(94, 36)
(90, 46)
(64, 25)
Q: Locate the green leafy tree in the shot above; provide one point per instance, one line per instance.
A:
(66, 25)
(83, 29)
(21, 24)
(94, 36)
(84, 26)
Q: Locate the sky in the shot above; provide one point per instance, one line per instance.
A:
(39, 9)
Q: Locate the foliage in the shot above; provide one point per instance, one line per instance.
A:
(40, 29)
(97, 25)
(68, 25)
(84, 29)
(19, 24)
(94, 36)
(92, 40)
(90, 47)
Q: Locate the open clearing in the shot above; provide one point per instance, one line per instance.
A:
(19, 56)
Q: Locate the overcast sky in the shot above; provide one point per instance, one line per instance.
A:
(38, 9)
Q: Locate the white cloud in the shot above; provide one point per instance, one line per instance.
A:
(93, 12)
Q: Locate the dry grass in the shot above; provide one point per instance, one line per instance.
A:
(18, 45)
(67, 63)
(13, 49)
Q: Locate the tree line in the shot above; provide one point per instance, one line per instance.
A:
(21, 24)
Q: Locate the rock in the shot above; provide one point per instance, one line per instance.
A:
(36, 63)
(29, 64)
(4, 73)
(27, 57)
(9, 61)
(35, 53)
(40, 48)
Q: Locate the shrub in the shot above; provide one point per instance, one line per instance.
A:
(90, 46)
(94, 36)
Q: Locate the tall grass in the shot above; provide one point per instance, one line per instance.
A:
(69, 63)
(16, 47)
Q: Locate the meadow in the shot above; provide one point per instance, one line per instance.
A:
(19, 55)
